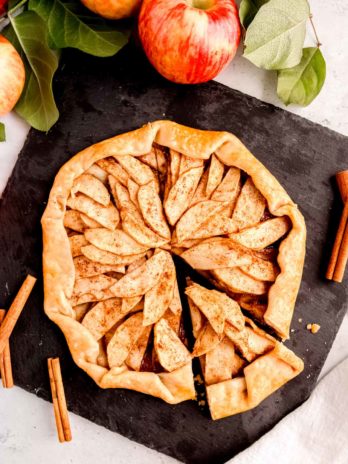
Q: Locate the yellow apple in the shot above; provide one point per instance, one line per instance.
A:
(12, 76)
(113, 9)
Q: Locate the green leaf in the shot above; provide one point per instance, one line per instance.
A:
(248, 10)
(2, 132)
(36, 105)
(301, 84)
(67, 29)
(274, 40)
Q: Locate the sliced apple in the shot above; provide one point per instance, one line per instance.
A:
(238, 364)
(195, 217)
(125, 337)
(143, 278)
(73, 221)
(136, 264)
(215, 254)
(229, 188)
(250, 206)
(181, 194)
(216, 172)
(81, 310)
(175, 305)
(239, 282)
(233, 313)
(122, 197)
(89, 223)
(133, 189)
(92, 187)
(174, 320)
(136, 354)
(240, 340)
(111, 166)
(206, 341)
(210, 303)
(200, 193)
(151, 208)
(98, 172)
(261, 270)
(197, 318)
(171, 352)
(159, 297)
(219, 363)
(263, 234)
(91, 289)
(142, 234)
(114, 241)
(254, 305)
(138, 171)
(103, 316)
(187, 163)
(218, 224)
(107, 216)
(175, 160)
(87, 268)
(105, 257)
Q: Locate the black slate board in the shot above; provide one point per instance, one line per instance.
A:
(98, 99)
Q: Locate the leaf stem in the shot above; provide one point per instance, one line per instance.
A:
(314, 30)
(19, 5)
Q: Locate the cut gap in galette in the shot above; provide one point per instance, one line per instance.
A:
(117, 213)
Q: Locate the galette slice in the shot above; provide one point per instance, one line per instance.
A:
(241, 364)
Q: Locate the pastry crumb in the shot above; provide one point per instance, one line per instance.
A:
(198, 379)
(292, 330)
(300, 319)
(314, 328)
(201, 403)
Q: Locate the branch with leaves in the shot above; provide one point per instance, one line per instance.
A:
(274, 39)
(39, 29)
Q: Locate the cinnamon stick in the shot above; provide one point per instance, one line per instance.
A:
(58, 419)
(5, 360)
(338, 242)
(15, 310)
(342, 257)
(59, 401)
(339, 255)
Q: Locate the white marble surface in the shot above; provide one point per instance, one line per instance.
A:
(27, 430)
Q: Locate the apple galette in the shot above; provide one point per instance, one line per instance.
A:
(117, 213)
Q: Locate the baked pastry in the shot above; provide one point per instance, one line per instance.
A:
(241, 363)
(117, 212)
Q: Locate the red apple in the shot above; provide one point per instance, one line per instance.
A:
(189, 41)
(113, 9)
(12, 76)
(3, 6)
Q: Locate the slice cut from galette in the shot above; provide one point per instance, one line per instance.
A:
(241, 363)
(117, 213)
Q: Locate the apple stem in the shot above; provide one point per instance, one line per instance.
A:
(314, 30)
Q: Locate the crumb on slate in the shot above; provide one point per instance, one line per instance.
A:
(314, 328)
(300, 319)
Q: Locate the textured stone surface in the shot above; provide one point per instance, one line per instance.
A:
(121, 94)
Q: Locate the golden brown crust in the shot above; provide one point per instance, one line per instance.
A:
(58, 267)
(260, 379)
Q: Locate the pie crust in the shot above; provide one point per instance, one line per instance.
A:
(60, 274)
